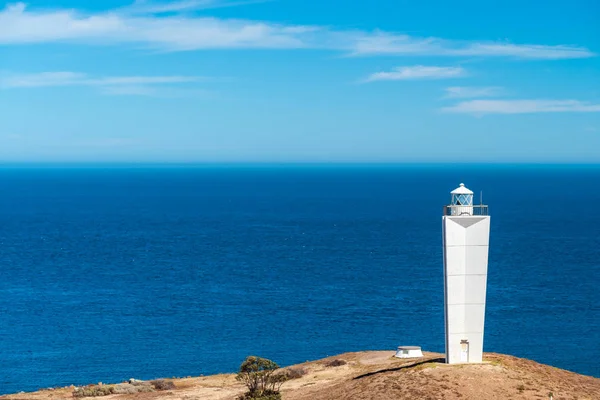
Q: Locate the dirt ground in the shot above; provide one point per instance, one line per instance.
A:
(378, 375)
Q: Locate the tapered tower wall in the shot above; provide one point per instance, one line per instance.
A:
(466, 245)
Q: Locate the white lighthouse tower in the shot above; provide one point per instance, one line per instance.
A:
(466, 233)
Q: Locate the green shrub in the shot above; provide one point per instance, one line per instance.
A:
(258, 374)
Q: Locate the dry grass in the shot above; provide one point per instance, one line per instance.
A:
(130, 388)
(379, 376)
(93, 391)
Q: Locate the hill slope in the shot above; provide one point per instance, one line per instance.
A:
(378, 375)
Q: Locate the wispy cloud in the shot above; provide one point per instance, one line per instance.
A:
(163, 26)
(530, 51)
(482, 107)
(156, 7)
(41, 80)
(456, 92)
(164, 7)
(132, 85)
(417, 72)
(19, 26)
(390, 44)
(130, 90)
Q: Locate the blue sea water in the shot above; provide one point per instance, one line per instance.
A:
(109, 273)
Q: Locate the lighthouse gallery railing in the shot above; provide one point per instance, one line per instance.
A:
(465, 210)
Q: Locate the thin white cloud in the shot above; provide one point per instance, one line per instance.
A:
(482, 107)
(457, 92)
(524, 51)
(155, 7)
(19, 26)
(118, 85)
(389, 44)
(417, 72)
(42, 79)
(130, 90)
(162, 7)
(163, 26)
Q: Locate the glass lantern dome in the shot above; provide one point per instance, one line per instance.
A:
(462, 201)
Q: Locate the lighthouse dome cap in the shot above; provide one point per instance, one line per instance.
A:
(461, 190)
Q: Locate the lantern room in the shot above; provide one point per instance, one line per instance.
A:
(462, 201)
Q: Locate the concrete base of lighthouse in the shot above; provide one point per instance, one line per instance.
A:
(466, 244)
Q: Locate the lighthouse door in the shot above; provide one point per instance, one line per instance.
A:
(464, 351)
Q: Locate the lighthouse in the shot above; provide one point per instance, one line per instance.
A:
(466, 235)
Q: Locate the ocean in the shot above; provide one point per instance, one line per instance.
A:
(111, 272)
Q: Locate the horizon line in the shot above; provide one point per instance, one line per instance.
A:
(75, 164)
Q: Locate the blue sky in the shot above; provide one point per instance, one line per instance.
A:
(300, 81)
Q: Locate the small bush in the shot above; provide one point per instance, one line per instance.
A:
(258, 374)
(335, 363)
(130, 388)
(93, 391)
(294, 372)
(521, 388)
(266, 395)
(125, 388)
(163, 384)
(137, 382)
